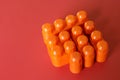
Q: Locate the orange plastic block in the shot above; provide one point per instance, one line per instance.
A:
(75, 62)
(88, 55)
(74, 41)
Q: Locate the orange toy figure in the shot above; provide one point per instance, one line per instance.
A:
(75, 62)
(88, 55)
(59, 25)
(71, 21)
(89, 26)
(82, 40)
(64, 36)
(47, 31)
(56, 54)
(69, 47)
(47, 28)
(76, 31)
(74, 41)
(96, 36)
(102, 51)
(52, 41)
(82, 16)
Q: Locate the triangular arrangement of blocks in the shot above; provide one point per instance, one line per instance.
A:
(74, 41)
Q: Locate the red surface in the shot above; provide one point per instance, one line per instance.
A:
(23, 55)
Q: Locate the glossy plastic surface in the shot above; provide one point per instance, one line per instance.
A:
(69, 47)
(102, 51)
(59, 25)
(82, 40)
(89, 26)
(64, 36)
(82, 16)
(96, 36)
(76, 62)
(88, 56)
(71, 20)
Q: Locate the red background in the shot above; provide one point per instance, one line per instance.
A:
(23, 55)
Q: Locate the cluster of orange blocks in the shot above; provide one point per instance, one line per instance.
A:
(74, 41)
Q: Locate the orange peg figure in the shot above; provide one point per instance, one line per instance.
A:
(47, 31)
(102, 51)
(76, 31)
(96, 36)
(89, 26)
(88, 56)
(82, 40)
(56, 55)
(47, 28)
(52, 41)
(71, 21)
(69, 47)
(82, 16)
(75, 63)
(64, 36)
(59, 25)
